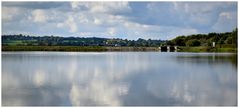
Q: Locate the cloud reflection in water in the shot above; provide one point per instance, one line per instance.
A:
(115, 79)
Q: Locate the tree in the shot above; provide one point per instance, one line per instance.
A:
(234, 37)
(180, 41)
(170, 43)
(193, 42)
(229, 40)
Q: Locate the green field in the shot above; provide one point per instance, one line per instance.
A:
(53, 48)
(76, 48)
(206, 49)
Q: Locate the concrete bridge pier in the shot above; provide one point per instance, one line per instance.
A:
(168, 48)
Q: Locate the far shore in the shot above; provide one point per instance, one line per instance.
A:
(76, 48)
(206, 49)
(118, 48)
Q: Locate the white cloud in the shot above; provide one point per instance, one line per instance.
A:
(74, 4)
(79, 5)
(195, 14)
(60, 25)
(227, 15)
(70, 23)
(83, 18)
(97, 21)
(39, 16)
(102, 7)
(225, 21)
(196, 7)
(156, 20)
(188, 14)
(107, 20)
(171, 32)
(9, 13)
(112, 31)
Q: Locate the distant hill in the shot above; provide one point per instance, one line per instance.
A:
(228, 39)
(22, 40)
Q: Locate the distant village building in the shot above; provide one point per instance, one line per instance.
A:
(117, 45)
(213, 44)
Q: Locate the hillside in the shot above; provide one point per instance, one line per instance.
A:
(22, 40)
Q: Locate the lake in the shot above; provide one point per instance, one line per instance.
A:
(119, 79)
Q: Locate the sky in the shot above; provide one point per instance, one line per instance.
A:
(126, 20)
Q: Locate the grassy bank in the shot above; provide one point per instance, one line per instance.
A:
(76, 48)
(206, 49)
(53, 48)
(102, 48)
(132, 48)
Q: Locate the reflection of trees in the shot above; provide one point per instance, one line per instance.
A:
(209, 59)
(193, 79)
(234, 61)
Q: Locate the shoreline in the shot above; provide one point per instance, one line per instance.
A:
(78, 48)
(206, 49)
(112, 49)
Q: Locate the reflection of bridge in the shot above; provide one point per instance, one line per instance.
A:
(168, 48)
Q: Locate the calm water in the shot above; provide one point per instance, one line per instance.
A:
(118, 79)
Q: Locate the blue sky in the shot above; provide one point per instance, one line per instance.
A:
(131, 20)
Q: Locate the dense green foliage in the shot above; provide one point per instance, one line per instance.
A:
(205, 49)
(223, 40)
(74, 41)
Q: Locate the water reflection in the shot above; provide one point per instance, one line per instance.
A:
(39, 78)
(115, 79)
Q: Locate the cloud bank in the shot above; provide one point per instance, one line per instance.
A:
(131, 20)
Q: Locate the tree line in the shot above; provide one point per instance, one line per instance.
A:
(228, 39)
(24, 40)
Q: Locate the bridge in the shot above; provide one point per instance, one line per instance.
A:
(168, 48)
